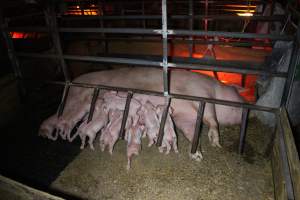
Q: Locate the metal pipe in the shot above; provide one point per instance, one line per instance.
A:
(191, 27)
(157, 32)
(165, 47)
(63, 100)
(125, 114)
(93, 103)
(171, 95)
(176, 17)
(163, 122)
(14, 60)
(51, 18)
(243, 130)
(208, 65)
(198, 127)
(294, 60)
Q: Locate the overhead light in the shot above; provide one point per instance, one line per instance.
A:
(245, 14)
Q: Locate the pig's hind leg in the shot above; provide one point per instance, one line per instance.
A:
(210, 119)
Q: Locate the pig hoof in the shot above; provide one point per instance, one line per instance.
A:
(216, 144)
(161, 150)
(81, 147)
(197, 156)
(176, 151)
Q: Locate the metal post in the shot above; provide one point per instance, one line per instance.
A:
(198, 127)
(191, 26)
(243, 130)
(63, 100)
(51, 20)
(205, 20)
(14, 60)
(125, 114)
(93, 103)
(291, 71)
(165, 47)
(162, 122)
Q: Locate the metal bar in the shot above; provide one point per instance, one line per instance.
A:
(63, 100)
(285, 162)
(175, 40)
(165, 47)
(243, 130)
(171, 95)
(243, 83)
(51, 18)
(93, 103)
(198, 127)
(157, 32)
(163, 122)
(175, 17)
(14, 60)
(191, 26)
(208, 65)
(125, 114)
(291, 71)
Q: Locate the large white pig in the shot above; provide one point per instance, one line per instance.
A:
(181, 82)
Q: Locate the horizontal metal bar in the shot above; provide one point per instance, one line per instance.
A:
(221, 66)
(171, 95)
(158, 17)
(158, 32)
(232, 34)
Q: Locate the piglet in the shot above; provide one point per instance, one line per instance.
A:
(149, 119)
(47, 128)
(110, 134)
(134, 137)
(93, 127)
(170, 138)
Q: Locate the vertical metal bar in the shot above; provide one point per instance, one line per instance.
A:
(143, 13)
(243, 130)
(205, 20)
(105, 43)
(198, 127)
(163, 121)
(165, 47)
(291, 71)
(93, 103)
(13, 59)
(63, 100)
(191, 26)
(243, 80)
(125, 114)
(51, 19)
(216, 75)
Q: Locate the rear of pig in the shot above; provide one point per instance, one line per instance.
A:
(110, 134)
(48, 126)
(170, 137)
(93, 127)
(149, 119)
(134, 137)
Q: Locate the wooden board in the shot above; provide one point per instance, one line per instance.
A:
(10, 189)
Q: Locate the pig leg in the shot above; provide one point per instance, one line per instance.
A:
(175, 145)
(91, 140)
(83, 138)
(168, 148)
(211, 120)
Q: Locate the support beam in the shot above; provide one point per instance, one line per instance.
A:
(125, 114)
(243, 130)
(198, 127)
(93, 103)
(163, 122)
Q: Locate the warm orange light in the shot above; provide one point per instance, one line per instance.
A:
(247, 14)
(77, 7)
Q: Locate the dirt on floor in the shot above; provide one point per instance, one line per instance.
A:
(222, 174)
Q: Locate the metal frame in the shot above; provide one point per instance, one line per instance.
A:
(54, 30)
